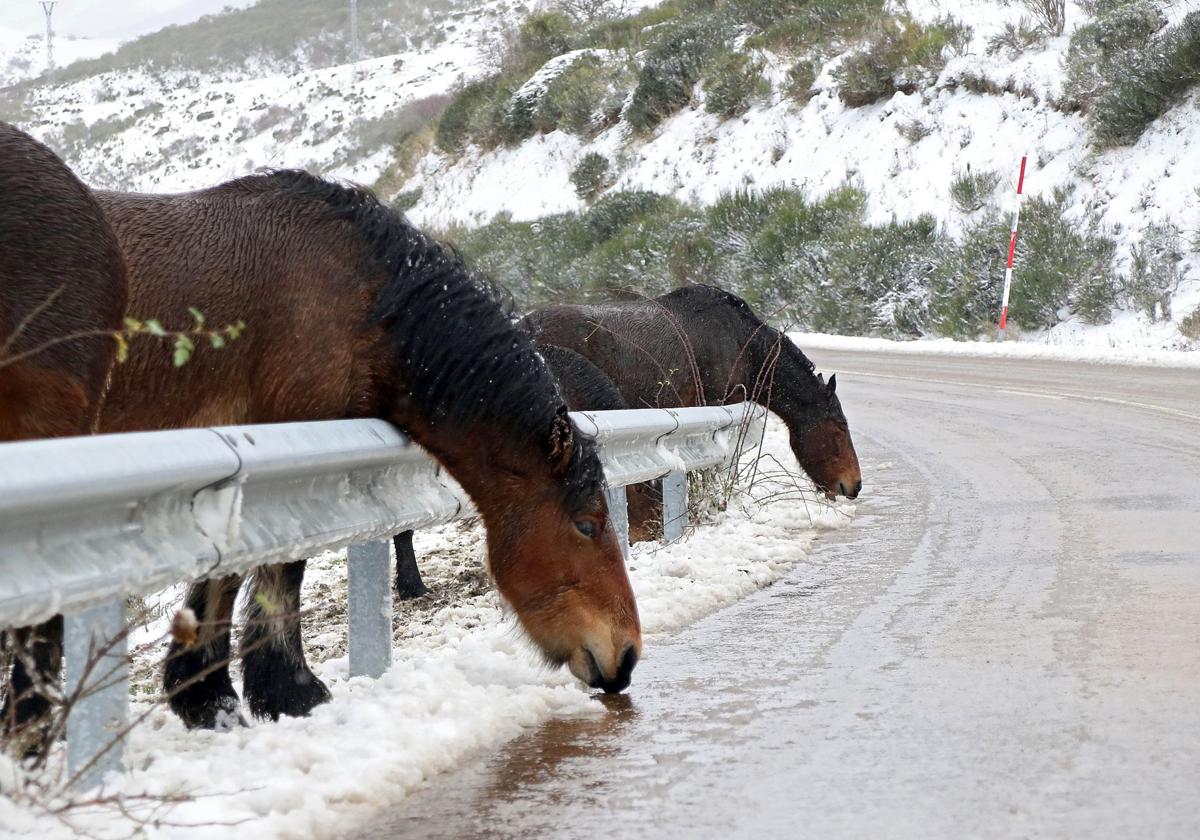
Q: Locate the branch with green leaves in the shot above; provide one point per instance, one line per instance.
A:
(183, 341)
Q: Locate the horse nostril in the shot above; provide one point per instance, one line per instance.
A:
(857, 488)
(621, 679)
(629, 659)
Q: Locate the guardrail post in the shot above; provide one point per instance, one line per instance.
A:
(618, 514)
(98, 636)
(675, 502)
(370, 609)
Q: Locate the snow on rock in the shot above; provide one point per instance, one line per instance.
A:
(463, 680)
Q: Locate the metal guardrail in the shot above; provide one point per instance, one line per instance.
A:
(85, 522)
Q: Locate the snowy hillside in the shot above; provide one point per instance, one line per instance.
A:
(984, 109)
(168, 130)
(23, 56)
(925, 170)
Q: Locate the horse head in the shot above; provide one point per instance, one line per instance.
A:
(556, 559)
(823, 445)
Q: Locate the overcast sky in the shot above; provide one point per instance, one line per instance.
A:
(122, 19)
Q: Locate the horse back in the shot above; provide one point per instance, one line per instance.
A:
(657, 357)
(297, 278)
(62, 294)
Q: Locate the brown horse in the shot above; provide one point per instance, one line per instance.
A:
(701, 345)
(351, 312)
(583, 387)
(62, 294)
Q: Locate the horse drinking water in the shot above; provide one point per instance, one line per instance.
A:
(351, 312)
(700, 345)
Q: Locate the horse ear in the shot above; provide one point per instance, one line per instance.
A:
(832, 386)
(821, 379)
(562, 441)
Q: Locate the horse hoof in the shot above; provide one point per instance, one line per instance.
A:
(294, 693)
(27, 728)
(409, 592)
(220, 713)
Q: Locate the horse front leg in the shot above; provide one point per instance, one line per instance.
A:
(408, 577)
(275, 678)
(196, 676)
(26, 718)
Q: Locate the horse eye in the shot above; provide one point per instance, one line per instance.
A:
(586, 527)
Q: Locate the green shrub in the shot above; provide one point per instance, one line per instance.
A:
(823, 26)
(970, 191)
(801, 77)
(1051, 15)
(913, 130)
(541, 37)
(1101, 51)
(964, 288)
(671, 69)
(590, 175)
(734, 80)
(1016, 38)
(461, 119)
(1157, 80)
(904, 57)
(1097, 286)
(1189, 327)
(585, 98)
(1154, 270)
(407, 200)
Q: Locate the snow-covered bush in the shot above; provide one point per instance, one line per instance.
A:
(590, 175)
(1101, 51)
(734, 80)
(820, 27)
(800, 79)
(1189, 327)
(1157, 80)
(586, 97)
(903, 56)
(1016, 38)
(467, 114)
(1154, 270)
(970, 191)
(671, 68)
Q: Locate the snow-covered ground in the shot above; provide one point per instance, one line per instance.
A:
(463, 681)
(1092, 353)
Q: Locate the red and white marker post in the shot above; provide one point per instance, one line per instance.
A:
(1012, 247)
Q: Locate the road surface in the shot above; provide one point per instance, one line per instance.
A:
(1005, 643)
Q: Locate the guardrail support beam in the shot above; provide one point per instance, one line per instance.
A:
(618, 514)
(98, 636)
(675, 503)
(369, 609)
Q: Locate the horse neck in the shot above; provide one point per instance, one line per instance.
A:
(495, 474)
(785, 384)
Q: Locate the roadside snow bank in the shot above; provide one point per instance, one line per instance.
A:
(463, 681)
(1010, 349)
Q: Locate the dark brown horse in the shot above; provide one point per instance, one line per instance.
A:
(62, 294)
(701, 345)
(351, 312)
(583, 387)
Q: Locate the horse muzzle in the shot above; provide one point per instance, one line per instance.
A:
(585, 665)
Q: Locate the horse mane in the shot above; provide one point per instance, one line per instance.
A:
(762, 336)
(462, 359)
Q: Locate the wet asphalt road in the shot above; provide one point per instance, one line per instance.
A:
(1005, 643)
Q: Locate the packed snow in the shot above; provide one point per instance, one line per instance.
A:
(463, 680)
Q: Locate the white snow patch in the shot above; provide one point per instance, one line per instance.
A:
(950, 347)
